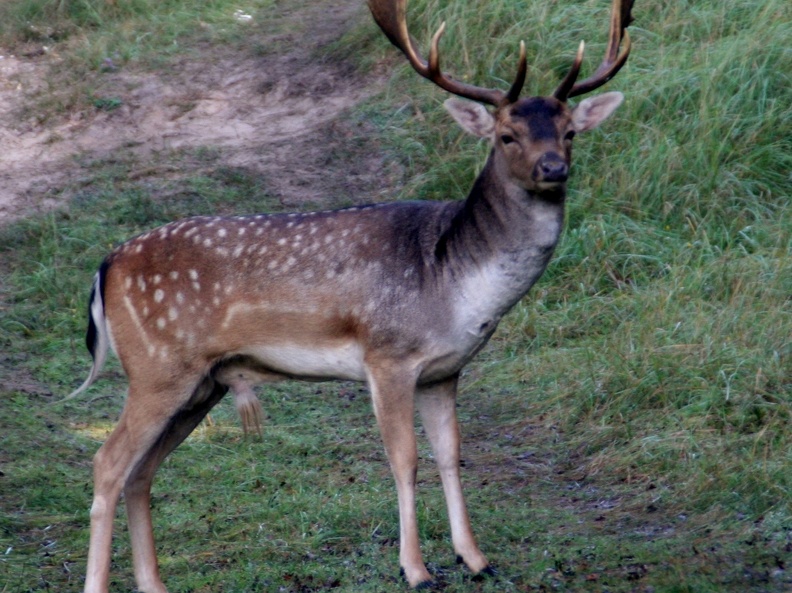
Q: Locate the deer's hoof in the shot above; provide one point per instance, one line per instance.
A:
(426, 585)
(487, 571)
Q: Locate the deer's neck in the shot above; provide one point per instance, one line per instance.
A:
(500, 241)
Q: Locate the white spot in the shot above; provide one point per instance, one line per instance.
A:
(173, 313)
(128, 282)
(281, 241)
(221, 233)
(207, 242)
(192, 274)
(241, 231)
(141, 282)
(222, 251)
(180, 298)
(159, 294)
(272, 265)
(196, 287)
(263, 250)
(161, 323)
(238, 250)
(139, 248)
(157, 279)
(174, 275)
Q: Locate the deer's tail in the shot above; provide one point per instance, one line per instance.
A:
(97, 338)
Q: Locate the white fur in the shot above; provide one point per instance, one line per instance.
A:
(341, 361)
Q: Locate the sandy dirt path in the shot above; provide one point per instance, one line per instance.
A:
(273, 113)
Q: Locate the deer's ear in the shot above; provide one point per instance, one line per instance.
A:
(473, 117)
(593, 111)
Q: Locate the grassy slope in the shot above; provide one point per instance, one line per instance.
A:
(629, 426)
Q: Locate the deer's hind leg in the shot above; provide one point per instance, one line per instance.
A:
(153, 423)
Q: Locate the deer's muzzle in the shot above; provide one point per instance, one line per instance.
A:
(551, 168)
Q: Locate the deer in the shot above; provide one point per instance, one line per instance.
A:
(398, 295)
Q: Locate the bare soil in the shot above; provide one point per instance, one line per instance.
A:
(278, 113)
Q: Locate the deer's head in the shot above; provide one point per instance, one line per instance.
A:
(532, 136)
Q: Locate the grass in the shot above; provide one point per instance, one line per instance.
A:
(626, 430)
(87, 38)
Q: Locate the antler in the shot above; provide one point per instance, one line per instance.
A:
(390, 15)
(621, 17)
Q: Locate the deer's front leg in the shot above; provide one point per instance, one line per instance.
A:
(392, 392)
(437, 405)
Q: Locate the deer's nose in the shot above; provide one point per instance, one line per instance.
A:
(551, 168)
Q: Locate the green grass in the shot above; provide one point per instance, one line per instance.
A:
(628, 428)
(91, 37)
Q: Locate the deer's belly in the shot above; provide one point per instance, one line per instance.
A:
(342, 360)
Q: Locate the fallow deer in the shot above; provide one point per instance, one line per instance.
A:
(399, 295)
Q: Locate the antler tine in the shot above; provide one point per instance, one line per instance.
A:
(562, 92)
(390, 15)
(519, 80)
(621, 17)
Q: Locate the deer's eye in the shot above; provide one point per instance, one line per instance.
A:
(569, 135)
(507, 139)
